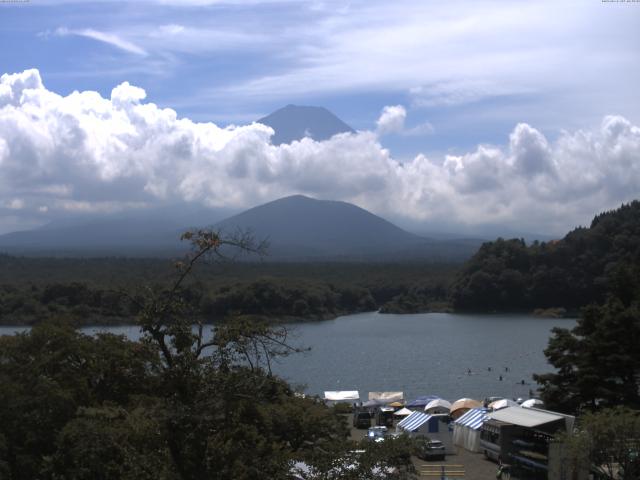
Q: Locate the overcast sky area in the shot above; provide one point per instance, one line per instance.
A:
(524, 115)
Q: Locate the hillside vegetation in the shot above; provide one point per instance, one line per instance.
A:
(580, 269)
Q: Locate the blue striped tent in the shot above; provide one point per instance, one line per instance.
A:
(473, 419)
(466, 429)
(414, 421)
(435, 427)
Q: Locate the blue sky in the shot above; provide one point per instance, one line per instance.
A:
(471, 69)
(465, 74)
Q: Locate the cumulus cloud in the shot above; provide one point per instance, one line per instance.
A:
(84, 152)
(391, 119)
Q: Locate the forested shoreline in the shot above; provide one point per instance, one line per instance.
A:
(107, 291)
(559, 277)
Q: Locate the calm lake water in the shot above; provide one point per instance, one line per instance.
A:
(423, 354)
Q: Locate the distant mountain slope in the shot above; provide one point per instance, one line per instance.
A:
(153, 232)
(295, 122)
(297, 227)
(572, 272)
(300, 227)
(95, 237)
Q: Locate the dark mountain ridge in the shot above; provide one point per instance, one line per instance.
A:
(299, 226)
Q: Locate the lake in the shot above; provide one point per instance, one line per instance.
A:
(422, 354)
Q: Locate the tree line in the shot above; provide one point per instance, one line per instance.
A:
(579, 269)
(597, 362)
(504, 275)
(104, 291)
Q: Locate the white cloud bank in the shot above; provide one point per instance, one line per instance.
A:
(89, 153)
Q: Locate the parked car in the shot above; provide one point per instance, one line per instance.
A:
(430, 450)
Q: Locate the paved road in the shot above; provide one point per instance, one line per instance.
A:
(475, 466)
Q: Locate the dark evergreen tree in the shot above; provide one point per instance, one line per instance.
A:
(598, 361)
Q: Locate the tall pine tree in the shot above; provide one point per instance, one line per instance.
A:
(598, 361)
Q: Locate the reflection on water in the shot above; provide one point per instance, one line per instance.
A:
(424, 354)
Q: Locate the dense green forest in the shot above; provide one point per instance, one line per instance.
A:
(508, 275)
(107, 290)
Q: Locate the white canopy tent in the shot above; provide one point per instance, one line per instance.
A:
(384, 398)
(439, 405)
(342, 396)
(403, 412)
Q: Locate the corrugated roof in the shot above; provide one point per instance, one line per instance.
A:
(525, 417)
(473, 419)
(569, 419)
(414, 421)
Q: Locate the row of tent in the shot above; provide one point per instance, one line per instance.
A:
(465, 431)
(429, 403)
(467, 428)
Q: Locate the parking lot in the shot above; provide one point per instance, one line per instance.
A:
(474, 465)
